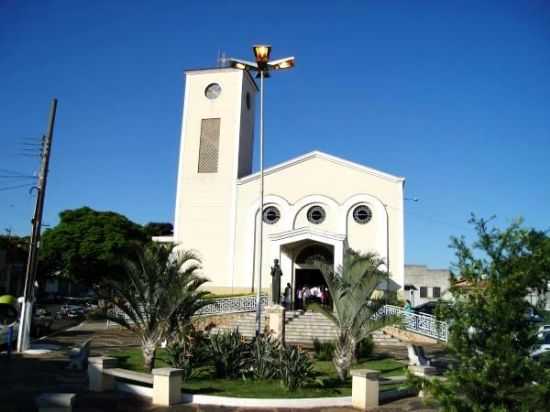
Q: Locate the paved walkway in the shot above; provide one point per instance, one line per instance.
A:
(22, 378)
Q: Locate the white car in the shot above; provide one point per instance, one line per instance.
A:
(543, 330)
(543, 347)
(8, 317)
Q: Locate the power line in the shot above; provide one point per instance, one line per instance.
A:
(15, 187)
(16, 177)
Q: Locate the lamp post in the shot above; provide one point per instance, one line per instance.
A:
(262, 67)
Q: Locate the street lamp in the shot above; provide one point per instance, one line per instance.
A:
(262, 67)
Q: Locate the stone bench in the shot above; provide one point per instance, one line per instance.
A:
(166, 382)
(55, 402)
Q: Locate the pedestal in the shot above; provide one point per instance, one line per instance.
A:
(276, 316)
(364, 389)
(167, 386)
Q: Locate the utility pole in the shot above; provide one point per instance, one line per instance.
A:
(32, 261)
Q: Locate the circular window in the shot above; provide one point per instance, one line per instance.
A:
(271, 215)
(362, 214)
(247, 101)
(213, 90)
(316, 214)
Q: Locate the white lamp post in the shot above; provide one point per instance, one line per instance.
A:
(262, 67)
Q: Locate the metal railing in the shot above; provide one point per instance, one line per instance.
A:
(232, 305)
(217, 306)
(420, 323)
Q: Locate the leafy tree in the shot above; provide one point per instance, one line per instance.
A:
(352, 288)
(158, 229)
(87, 244)
(159, 293)
(490, 337)
(16, 247)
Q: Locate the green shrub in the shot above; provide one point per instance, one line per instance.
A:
(323, 350)
(364, 349)
(295, 368)
(188, 351)
(229, 353)
(264, 357)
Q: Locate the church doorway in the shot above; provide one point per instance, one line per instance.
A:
(309, 282)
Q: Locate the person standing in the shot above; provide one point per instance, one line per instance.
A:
(299, 299)
(305, 295)
(287, 297)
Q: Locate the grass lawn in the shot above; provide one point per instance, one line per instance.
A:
(324, 383)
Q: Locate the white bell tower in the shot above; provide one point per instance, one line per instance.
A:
(216, 149)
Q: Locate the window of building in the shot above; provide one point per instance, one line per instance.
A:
(423, 292)
(271, 215)
(209, 145)
(362, 214)
(316, 214)
(436, 292)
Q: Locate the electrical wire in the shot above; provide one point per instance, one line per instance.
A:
(15, 187)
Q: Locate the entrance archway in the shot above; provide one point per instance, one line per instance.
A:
(307, 275)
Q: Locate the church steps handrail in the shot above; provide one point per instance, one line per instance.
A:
(231, 305)
(224, 305)
(420, 323)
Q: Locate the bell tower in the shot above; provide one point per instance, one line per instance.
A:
(216, 149)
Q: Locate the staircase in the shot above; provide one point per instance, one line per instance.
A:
(301, 328)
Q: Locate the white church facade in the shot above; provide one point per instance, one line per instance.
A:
(314, 205)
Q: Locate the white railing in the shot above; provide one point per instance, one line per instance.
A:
(420, 323)
(232, 305)
(217, 306)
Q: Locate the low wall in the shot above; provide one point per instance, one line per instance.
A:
(406, 336)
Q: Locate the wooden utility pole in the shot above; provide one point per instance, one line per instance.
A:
(32, 261)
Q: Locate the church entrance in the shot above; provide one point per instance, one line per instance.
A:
(309, 283)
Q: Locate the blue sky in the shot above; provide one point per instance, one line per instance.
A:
(455, 96)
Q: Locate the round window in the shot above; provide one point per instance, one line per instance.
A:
(212, 91)
(271, 215)
(316, 214)
(362, 214)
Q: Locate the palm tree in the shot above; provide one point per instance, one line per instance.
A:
(159, 292)
(352, 288)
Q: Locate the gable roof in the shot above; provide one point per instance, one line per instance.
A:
(321, 155)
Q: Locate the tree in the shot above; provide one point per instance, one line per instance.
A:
(87, 245)
(352, 288)
(158, 293)
(490, 337)
(159, 229)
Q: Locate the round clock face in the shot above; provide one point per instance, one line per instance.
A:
(213, 90)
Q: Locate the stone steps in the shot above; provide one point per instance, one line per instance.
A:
(303, 328)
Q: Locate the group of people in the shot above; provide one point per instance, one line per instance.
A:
(305, 295)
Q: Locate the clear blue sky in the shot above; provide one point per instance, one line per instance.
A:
(455, 96)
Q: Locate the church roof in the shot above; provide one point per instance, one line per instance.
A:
(321, 155)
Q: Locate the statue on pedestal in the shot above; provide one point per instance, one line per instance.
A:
(276, 274)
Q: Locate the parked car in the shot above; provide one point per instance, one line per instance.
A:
(429, 308)
(8, 317)
(533, 316)
(66, 309)
(42, 321)
(542, 348)
(543, 330)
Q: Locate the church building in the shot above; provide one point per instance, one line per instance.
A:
(315, 205)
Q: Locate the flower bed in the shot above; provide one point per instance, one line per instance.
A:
(323, 384)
